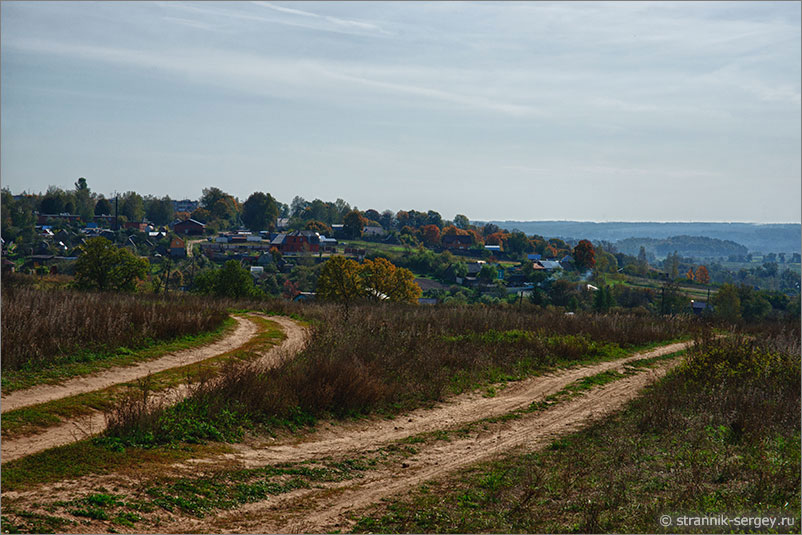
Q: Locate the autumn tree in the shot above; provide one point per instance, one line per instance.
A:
(689, 275)
(353, 223)
(584, 255)
(382, 277)
(702, 276)
(340, 281)
(319, 226)
(430, 235)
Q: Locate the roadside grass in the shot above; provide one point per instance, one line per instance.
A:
(196, 496)
(29, 420)
(718, 435)
(87, 363)
(92, 456)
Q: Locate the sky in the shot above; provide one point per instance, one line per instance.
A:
(620, 111)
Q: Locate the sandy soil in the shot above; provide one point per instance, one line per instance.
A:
(93, 423)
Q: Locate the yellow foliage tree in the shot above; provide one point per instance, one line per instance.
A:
(344, 281)
(382, 278)
(689, 275)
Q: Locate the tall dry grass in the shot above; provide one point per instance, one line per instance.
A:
(39, 326)
(392, 357)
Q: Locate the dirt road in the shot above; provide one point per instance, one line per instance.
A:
(93, 423)
(331, 506)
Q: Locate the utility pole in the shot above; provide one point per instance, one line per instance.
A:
(116, 211)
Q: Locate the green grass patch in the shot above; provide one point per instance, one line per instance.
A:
(79, 364)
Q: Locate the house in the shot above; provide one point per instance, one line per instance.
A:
(8, 266)
(297, 241)
(454, 241)
(700, 307)
(493, 248)
(548, 265)
(141, 226)
(178, 248)
(190, 227)
(282, 223)
(185, 206)
(328, 244)
(475, 267)
(257, 270)
(373, 231)
(305, 296)
(533, 257)
(427, 301)
(43, 219)
(338, 231)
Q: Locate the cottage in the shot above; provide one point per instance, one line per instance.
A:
(141, 226)
(454, 241)
(190, 227)
(493, 248)
(373, 231)
(297, 241)
(178, 248)
(548, 265)
(699, 307)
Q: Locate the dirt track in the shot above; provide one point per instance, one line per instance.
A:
(93, 423)
(330, 509)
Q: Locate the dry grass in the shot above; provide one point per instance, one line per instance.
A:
(41, 326)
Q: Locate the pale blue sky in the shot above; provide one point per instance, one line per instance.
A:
(524, 110)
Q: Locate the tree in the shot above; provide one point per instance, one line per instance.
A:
(382, 277)
(727, 304)
(53, 201)
(319, 227)
(603, 299)
(132, 206)
(702, 276)
(84, 202)
(159, 211)
(689, 275)
(430, 235)
(211, 196)
(353, 223)
(260, 211)
(103, 266)
(462, 222)
(103, 207)
(340, 281)
(487, 274)
(232, 280)
(584, 255)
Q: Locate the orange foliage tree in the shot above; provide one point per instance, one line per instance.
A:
(702, 275)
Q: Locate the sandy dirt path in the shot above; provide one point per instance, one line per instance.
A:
(243, 332)
(353, 437)
(335, 505)
(93, 423)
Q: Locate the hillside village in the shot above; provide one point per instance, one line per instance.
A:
(283, 247)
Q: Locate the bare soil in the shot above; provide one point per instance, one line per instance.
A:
(94, 423)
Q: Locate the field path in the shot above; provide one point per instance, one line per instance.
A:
(243, 332)
(330, 508)
(93, 423)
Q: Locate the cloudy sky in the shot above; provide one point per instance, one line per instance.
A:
(525, 110)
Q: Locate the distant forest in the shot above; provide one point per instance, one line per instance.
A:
(757, 238)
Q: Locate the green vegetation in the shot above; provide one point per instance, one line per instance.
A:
(718, 435)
